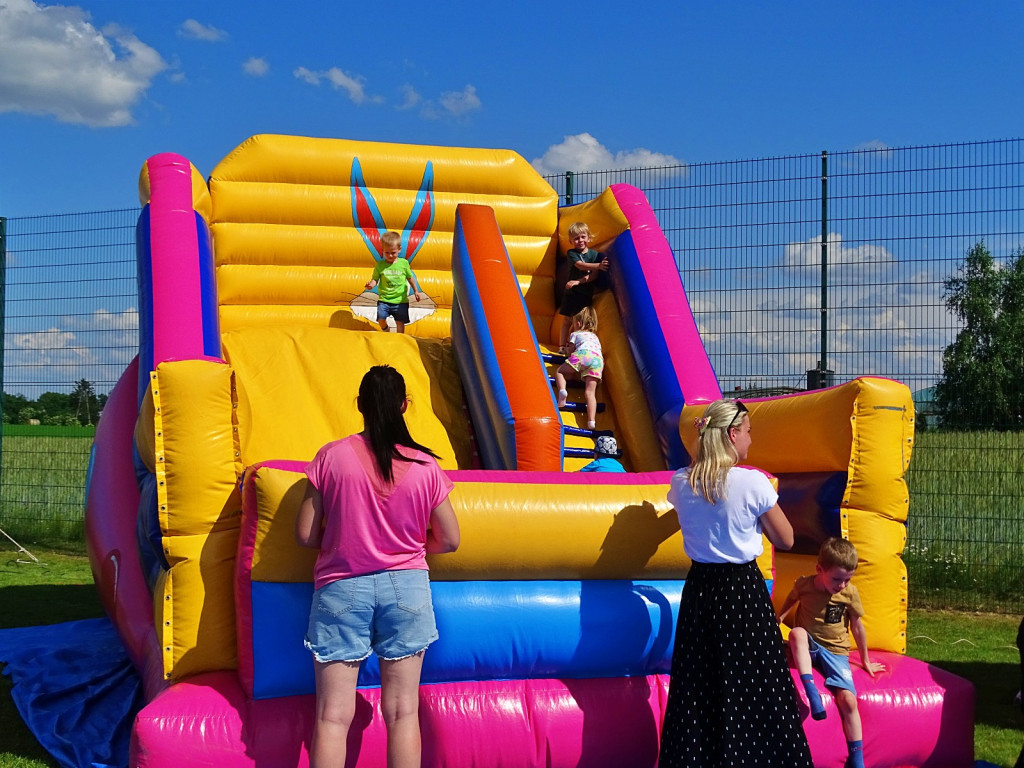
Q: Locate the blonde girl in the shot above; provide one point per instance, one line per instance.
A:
(586, 362)
(728, 665)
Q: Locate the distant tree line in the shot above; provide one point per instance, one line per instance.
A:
(982, 384)
(79, 408)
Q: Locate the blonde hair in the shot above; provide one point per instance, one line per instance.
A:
(579, 228)
(715, 453)
(587, 319)
(837, 553)
(390, 238)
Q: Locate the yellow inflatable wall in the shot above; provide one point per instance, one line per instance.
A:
(866, 429)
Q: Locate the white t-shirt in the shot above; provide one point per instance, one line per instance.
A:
(729, 531)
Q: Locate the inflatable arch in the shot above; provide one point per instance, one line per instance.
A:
(557, 613)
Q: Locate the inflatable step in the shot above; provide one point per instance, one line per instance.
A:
(585, 453)
(569, 383)
(584, 432)
(580, 407)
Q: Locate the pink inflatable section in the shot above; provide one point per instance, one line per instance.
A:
(537, 723)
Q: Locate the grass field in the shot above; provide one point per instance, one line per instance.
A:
(965, 531)
(42, 484)
(979, 647)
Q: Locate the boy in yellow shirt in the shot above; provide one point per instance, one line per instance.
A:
(828, 609)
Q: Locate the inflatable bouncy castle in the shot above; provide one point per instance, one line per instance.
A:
(557, 613)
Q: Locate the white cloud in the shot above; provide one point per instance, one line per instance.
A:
(52, 346)
(809, 253)
(105, 320)
(875, 145)
(459, 103)
(410, 97)
(255, 66)
(307, 75)
(53, 61)
(885, 316)
(353, 85)
(583, 152)
(194, 30)
(96, 347)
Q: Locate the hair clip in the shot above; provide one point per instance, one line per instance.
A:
(701, 425)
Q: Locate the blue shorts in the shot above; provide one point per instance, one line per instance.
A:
(398, 311)
(834, 667)
(388, 612)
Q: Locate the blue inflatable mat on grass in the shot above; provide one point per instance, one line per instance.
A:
(75, 689)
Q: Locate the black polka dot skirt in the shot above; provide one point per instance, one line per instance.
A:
(731, 700)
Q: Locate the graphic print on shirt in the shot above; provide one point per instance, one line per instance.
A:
(834, 613)
(371, 226)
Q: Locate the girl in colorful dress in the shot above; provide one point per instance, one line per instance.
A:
(586, 362)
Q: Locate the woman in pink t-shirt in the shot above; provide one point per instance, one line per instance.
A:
(376, 505)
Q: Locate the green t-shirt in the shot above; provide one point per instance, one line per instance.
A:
(575, 273)
(393, 286)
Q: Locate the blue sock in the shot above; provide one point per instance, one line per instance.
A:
(856, 758)
(813, 697)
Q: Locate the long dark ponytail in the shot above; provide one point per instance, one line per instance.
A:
(381, 396)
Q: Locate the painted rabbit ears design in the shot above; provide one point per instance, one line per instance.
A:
(370, 222)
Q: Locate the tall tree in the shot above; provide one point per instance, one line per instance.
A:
(982, 384)
(83, 400)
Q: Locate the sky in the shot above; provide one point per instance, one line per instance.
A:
(89, 91)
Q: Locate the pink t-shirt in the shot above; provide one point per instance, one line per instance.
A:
(369, 525)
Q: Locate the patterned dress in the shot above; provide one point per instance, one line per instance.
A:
(731, 699)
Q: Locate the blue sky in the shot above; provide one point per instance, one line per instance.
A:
(89, 91)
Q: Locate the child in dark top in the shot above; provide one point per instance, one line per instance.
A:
(585, 265)
(828, 610)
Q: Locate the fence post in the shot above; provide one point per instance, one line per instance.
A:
(568, 187)
(3, 310)
(820, 377)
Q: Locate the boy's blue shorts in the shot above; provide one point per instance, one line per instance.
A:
(398, 311)
(388, 612)
(834, 667)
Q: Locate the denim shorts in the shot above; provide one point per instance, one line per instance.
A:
(833, 666)
(386, 309)
(388, 612)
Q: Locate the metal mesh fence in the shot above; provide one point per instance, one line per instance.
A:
(804, 269)
(70, 316)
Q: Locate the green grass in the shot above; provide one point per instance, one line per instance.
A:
(965, 530)
(42, 485)
(979, 647)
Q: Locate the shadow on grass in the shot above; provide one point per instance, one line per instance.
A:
(30, 606)
(995, 686)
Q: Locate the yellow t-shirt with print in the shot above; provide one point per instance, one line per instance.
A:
(826, 617)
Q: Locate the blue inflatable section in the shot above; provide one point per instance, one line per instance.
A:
(491, 630)
(647, 343)
(813, 501)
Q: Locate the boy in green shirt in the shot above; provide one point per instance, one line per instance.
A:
(395, 278)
